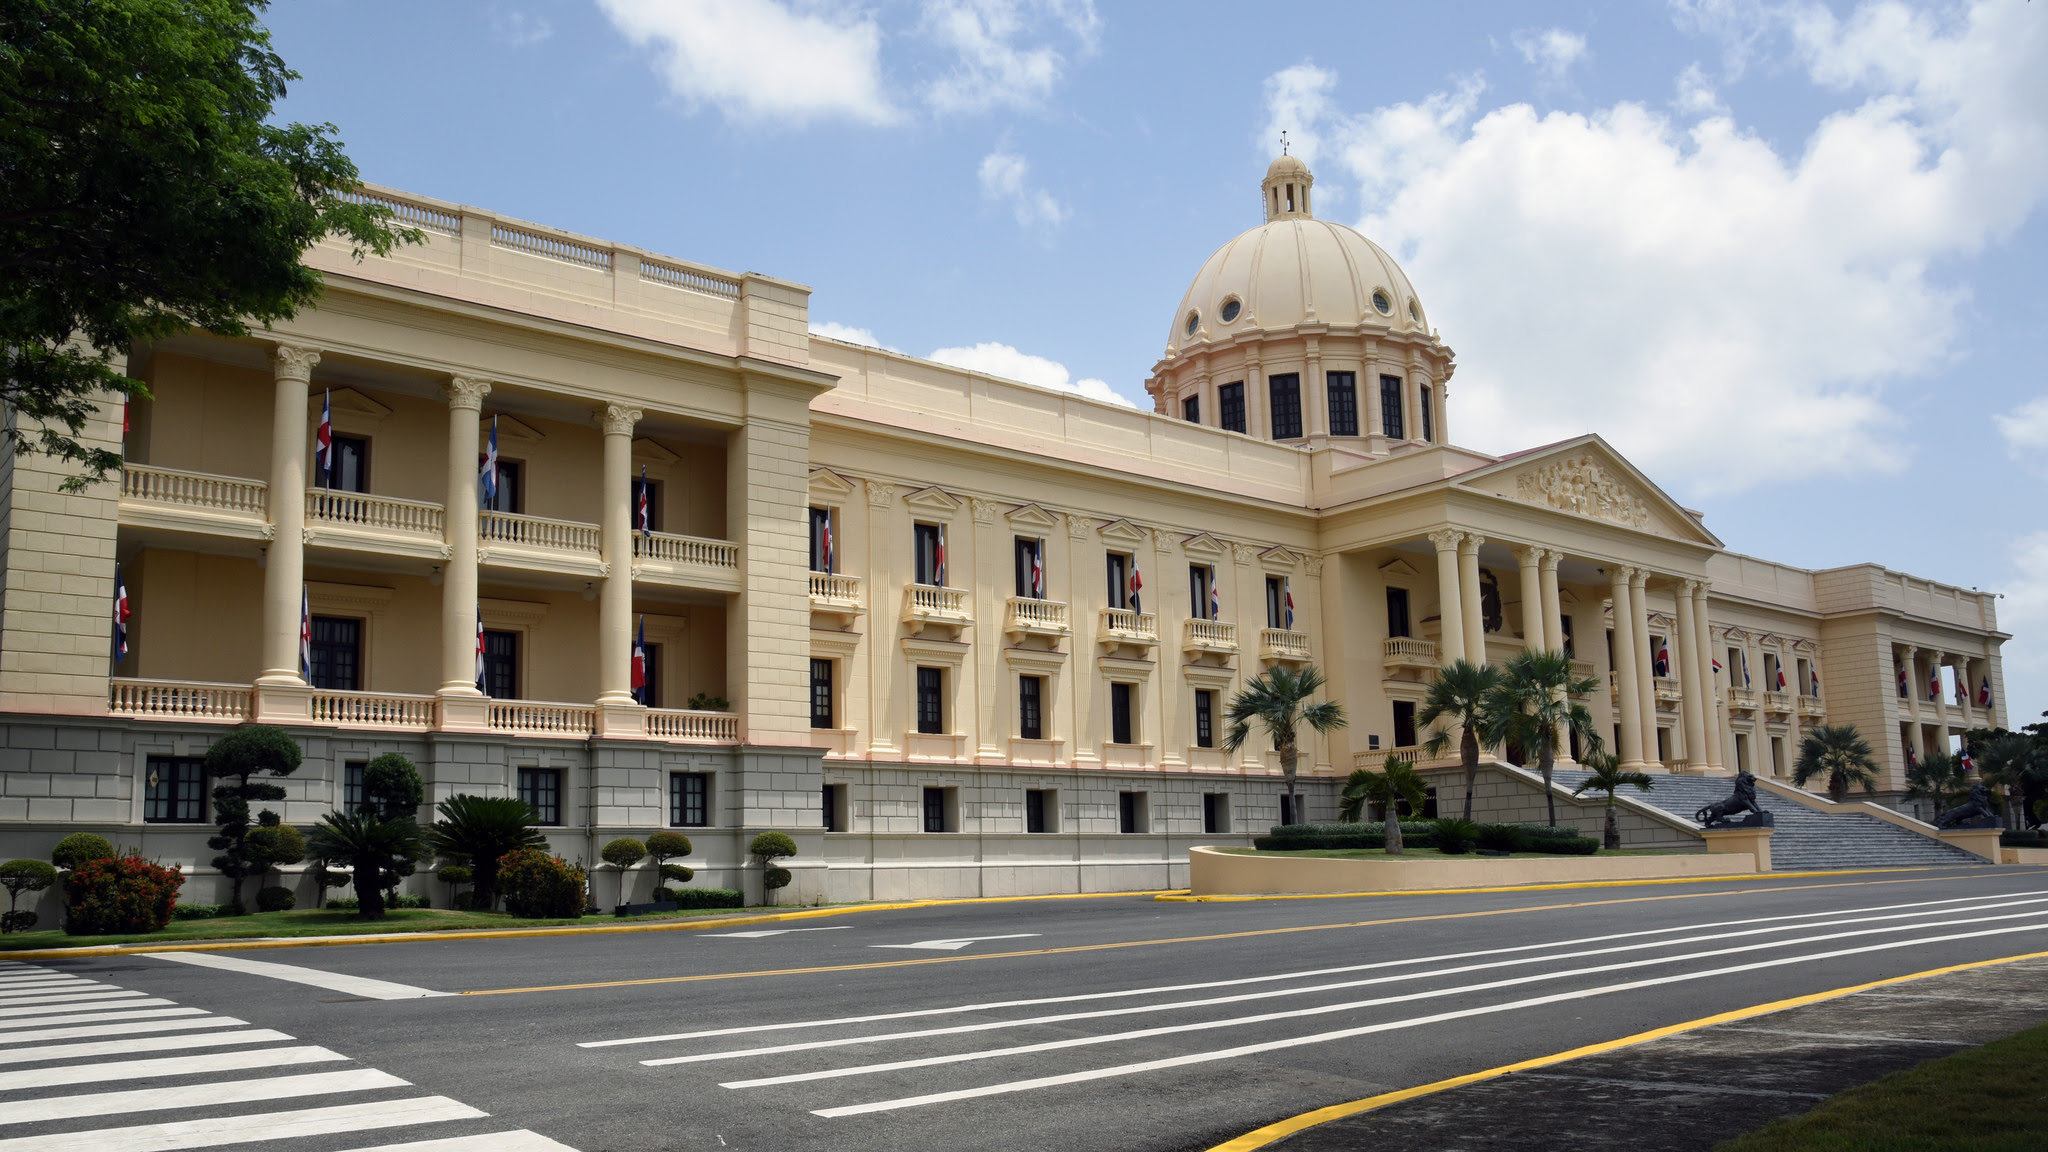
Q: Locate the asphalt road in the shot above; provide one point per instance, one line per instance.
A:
(1114, 1023)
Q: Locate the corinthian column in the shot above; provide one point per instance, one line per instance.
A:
(1468, 593)
(1692, 687)
(465, 398)
(284, 572)
(1704, 654)
(1646, 668)
(615, 605)
(1627, 689)
(1553, 608)
(1531, 561)
(1450, 613)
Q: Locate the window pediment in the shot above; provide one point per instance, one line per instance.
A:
(1206, 546)
(648, 452)
(1032, 516)
(829, 485)
(934, 500)
(1280, 558)
(1398, 569)
(353, 412)
(513, 432)
(1121, 531)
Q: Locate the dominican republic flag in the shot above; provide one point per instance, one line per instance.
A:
(1983, 692)
(1215, 596)
(1038, 569)
(1717, 665)
(1287, 598)
(1962, 690)
(1813, 682)
(640, 663)
(487, 488)
(305, 634)
(1663, 661)
(1902, 682)
(1136, 582)
(1745, 671)
(825, 542)
(1911, 760)
(940, 559)
(1968, 761)
(479, 648)
(323, 442)
(1934, 683)
(1781, 677)
(644, 513)
(121, 614)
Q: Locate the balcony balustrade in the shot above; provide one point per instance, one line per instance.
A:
(1812, 708)
(1669, 692)
(1283, 646)
(688, 727)
(1408, 653)
(364, 522)
(1779, 702)
(194, 502)
(514, 540)
(665, 557)
(1376, 758)
(1582, 670)
(372, 709)
(1025, 616)
(1742, 699)
(180, 700)
(1122, 627)
(541, 718)
(1209, 637)
(929, 604)
(837, 595)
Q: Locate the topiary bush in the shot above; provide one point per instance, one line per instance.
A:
(463, 902)
(119, 894)
(19, 876)
(709, 898)
(351, 904)
(667, 846)
(768, 847)
(195, 911)
(392, 787)
(539, 885)
(276, 898)
(250, 750)
(79, 847)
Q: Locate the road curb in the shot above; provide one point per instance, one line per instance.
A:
(1189, 898)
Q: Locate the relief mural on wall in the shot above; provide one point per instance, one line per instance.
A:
(1580, 485)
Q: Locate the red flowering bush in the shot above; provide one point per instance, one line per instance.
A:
(119, 894)
(537, 884)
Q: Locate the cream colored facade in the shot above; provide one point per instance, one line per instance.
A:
(878, 698)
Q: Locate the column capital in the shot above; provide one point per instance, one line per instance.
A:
(1446, 539)
(617, 419)
(465, 392)
(1471, 543)
(1620, 574)
(1530, 555)
(1551, 559)
(295, 362)
(1688, 587)
(1639, 578)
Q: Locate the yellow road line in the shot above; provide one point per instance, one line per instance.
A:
(1190, 898)
(1280, 1130)
(874, 964)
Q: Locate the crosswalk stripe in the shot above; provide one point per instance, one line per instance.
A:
(101, 1017)
(197, 1095)
(332, 981)
(164, 1066)
(180, 1134)
(138, 1026)
(141, 1044)
(520, 1140)
(69, 996)
(80, 1004)
(42, 983)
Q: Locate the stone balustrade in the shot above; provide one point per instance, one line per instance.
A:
(1027, 616)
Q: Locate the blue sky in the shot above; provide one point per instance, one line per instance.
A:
(1788, 257)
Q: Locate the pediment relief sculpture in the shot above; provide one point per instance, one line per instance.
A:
(1580, 484)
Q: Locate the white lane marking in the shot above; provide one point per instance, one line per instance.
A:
(772, 932)
(140, 1044)
(164, 1066)
(86, 996)
(332, 981)
(1369, 1029)
(520, 1140)
(1242, 997)
(45, 983)
(83, 1004)
(8, 1026)
(1300, 975)
(120, 1029)
(1300, 1013)
(198, 1095)
(249, 1129)
(955, 944)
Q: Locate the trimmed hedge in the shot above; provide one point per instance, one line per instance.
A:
(2030, 838)
(197, 911)
(1422, 834)
(708, 898)
(405, 900)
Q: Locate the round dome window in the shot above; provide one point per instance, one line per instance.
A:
(1380, 301)
(1231, 308)
(1194, 322)
(1414, 313)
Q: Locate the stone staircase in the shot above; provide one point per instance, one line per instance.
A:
(1803, 839)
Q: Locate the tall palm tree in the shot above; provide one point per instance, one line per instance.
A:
(1536, 701)
(1840, 753)
(1458, 695)
(2010, 761)
(1940, 779)
(479, 829)
(1400, 781)
(373, 848)
(1608, 777)
(1278, 700)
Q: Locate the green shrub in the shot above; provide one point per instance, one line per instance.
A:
(775, 878)
(624, 852)
(404, 900)
(1555, 841)
(1498, 837)
(680, 873)
(17, 921)
(250, 750)
(195, 911)
(702, 702)
(392, 786)
(1455, 837)
(79, 847)
(119, 894)
(1300, 837)
(2031, 838)
(456, 874)
(537, 884)
(709, 898)
(668, 845)
(663, 896)
(19, 876)
(463, 902)
(276, 898)
(768, 847)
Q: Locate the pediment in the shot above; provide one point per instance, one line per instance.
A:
(933, 499)
(351, 411)
(1398, 569)
(1586, 477)
(1032, 516)
(1203, 544)
(1280, 558)
(512, 432)
(646, 451)
(1124, 532)
(829, 485)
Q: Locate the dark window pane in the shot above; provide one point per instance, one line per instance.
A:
(351, 472)
(336, 653)
(501, 666)
(1397, 612)
(1120, 714)
(831, 809)
(541, 788)
(1284, 391)
(1276, 602)
(926, 539)
(1215, 813)
(510, 494)
(689, 799)
(1118, 570)
(1191, 409)
(650, 692)
(1422, 411)
(935, 809)
(1343, 389)
(1034, 810)
(822, 544)
(931, 705)
(821, 694)
(352, 786)
(174, 790)
(1030, 568)
(1230, 402)
(1205, 718)
(1404, 724)
(1390, 407)
(1030, 707)
(1127, 812)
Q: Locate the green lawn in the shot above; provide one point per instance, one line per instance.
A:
(1433, 854)
(324, 923)
(1989, 1099)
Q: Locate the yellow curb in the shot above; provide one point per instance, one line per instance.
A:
(520, 933)
(1180, 898)
(1275, 1132)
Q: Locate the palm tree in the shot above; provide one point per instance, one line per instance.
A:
(2010, 761)
(1536, 700)
(1279, 701)
(1940, 779)
(373, 848)
(1400, 781)
(1840, 753)
(1458, 694)
(479, 829)
(1609, 778)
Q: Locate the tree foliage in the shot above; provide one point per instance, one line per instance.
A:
(478, 830)
(19, 876)
(1535, 705)
(147, 191)
(392, 786)
(79, 847)
(1840, 754)
(1457, 697)
(1609, 778)
(248, 751)
(1396, 782)
(375, 851)
(1279, 701)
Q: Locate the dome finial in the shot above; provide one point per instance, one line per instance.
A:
(1285, 191)
(1283, 141)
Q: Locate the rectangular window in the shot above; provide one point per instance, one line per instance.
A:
(1390, 407)
(501, 666)
(1663, 745)
(1031, 707)
(650, 675)
(689, 799)
(929, 567)
(1741, 752)
(352, 786)
(1734, 671)
(1803, 682)
(1276, 602)
(351, 465)
(1777, 755)
(1118, 570)
(935, 810)
(336, 653)
(174, 790)
(1039, 807)
(511, 490)
(1404, 724)
(652, 490)
(931, 701)
(1205, 718)
(1422, 411)
(1130, 812)
(1215, 812)
(1030, 563)
(822, 544)
(1191, 409)
(1284, 391)
(821, 694)
(1570, 649)
(541, 788)
(1343, 389)
(1120, 713)
(834, 810)
(1199, 578)
(1287, 813)
(1230, 405)
(1397, 612)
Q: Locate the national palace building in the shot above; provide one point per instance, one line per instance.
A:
(957, 635)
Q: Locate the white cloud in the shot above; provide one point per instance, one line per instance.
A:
(761, 60)
(1004, 361)
(1696, 94)
(520, 29)
(1552, 51)
(847, 333)
(1727, 314)
(1005, 179)
(2025, 431)
(994, 65)
(2024, 613)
